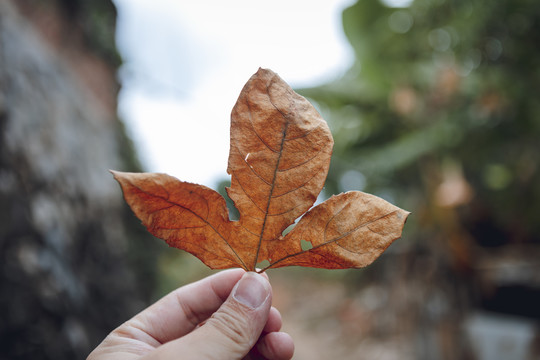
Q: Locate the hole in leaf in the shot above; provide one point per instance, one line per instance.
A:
(289, 228)
(263, 264)
(306, 245)
(234, 214)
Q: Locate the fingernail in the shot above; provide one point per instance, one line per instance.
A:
(252, 290)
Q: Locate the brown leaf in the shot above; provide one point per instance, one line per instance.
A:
(278, 161)
(349, 230)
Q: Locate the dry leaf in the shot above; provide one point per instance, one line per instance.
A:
(279, 157)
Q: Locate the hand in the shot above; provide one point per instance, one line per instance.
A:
(224, 316)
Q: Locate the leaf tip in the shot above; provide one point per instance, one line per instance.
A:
(404, 214)
(119, 175)
(115, 173)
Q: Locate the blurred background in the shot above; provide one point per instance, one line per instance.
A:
(433, 105)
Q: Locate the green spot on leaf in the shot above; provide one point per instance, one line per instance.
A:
(306, 245)
(263, 264)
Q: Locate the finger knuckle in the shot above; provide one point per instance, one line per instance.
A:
(232, 324)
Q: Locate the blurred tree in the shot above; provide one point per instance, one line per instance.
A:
(74, 261)
(439, 110)
(439, 114)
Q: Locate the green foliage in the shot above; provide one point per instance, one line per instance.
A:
(440, 112)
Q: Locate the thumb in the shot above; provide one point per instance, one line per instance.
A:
(235, 327)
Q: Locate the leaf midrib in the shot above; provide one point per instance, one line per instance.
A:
(275, 172)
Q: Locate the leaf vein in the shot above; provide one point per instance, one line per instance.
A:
(282, 143)
(298, 187)
(249, 166)
(328, 242)
(321, 150)
(197, 215)
(245, 192)
(250, 117)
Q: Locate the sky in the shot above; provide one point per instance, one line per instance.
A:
(185, 63)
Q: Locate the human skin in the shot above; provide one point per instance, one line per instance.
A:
(224, 316)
